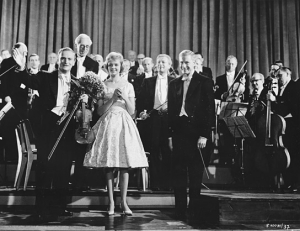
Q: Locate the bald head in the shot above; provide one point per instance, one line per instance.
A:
(21, 47)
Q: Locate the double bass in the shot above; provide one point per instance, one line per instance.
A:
(271, 129)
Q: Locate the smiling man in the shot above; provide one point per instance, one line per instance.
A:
(154, 134)
(83, 62)
(52, 176)
(191, 116)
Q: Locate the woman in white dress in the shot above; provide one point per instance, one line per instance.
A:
(117, 143)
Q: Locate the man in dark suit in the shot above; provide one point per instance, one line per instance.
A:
(191, 116)
(199, 68)
(287, 104)
(153, 99)
(125, 72)
(16, 92)
(52, 65)
(52, 176)
(148, 72)
(134, 65)
(225, 81)
(83, 63)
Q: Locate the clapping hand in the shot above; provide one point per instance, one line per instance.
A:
(19, 58)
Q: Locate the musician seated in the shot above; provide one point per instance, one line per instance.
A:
(229, 84)
(257, 100)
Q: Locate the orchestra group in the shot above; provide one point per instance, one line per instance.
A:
(147, 107)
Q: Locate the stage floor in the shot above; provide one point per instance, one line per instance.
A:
(235, 210)
(161, 219)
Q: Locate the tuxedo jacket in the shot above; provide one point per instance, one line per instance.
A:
(11, 85)
(146, 98)
(133, 69)
(138, 84)
(222, 86)
(289, 102)
(199, 105)
(207, 72)
(89, 64)
(46, 66)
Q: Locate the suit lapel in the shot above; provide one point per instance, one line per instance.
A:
(152, 85)
(54, 83)
(193, 85)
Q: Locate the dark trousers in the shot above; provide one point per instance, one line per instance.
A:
(188, 167)
(53, 175)
(160, 154)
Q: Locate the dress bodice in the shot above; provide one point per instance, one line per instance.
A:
(128, 87)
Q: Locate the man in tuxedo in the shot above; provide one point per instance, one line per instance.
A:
(102, 73)
(14, 91)
(199, 68)
(191, 117)
(148, 72)
(134, 65)
(52, 65)
(83, 63)
(225, 81)
(125, 72)
(287, 104)
(52, 176)
(154, 132)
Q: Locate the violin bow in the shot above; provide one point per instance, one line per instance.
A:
(154, 109)
(63, 130)
(14, 66)
(236, 76)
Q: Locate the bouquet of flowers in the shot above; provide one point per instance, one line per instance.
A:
(88, 84)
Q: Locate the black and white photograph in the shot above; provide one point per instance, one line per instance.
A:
(149, 115)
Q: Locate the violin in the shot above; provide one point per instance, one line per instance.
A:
(271, 129)
(84, 133)
(237, 89)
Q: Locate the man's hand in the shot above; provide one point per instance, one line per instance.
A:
(271, 97)
(202, 142)
(19, 58)
(144, 115)
(7, 99)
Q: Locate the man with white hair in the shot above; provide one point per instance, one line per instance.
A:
(83, 62)
(148, 72)
(153, 99)
(14, 91)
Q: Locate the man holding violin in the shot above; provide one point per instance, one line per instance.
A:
(52, 175)
(286, 104)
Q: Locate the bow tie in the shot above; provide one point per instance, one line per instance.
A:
(160, 77)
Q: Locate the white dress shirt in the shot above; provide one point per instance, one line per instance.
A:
(230, 78)
(147, 75)
(161, 91)
(80, 67)
(51, 67)
(186, 83)
(102, 75)
(62, 93)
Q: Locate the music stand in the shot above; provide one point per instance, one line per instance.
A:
(239, 128)
(231, 109)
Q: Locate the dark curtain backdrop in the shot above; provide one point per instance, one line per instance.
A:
(260, 31)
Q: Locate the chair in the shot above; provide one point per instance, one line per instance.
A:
(27, 153)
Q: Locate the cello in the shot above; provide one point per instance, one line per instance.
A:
(271, 129)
